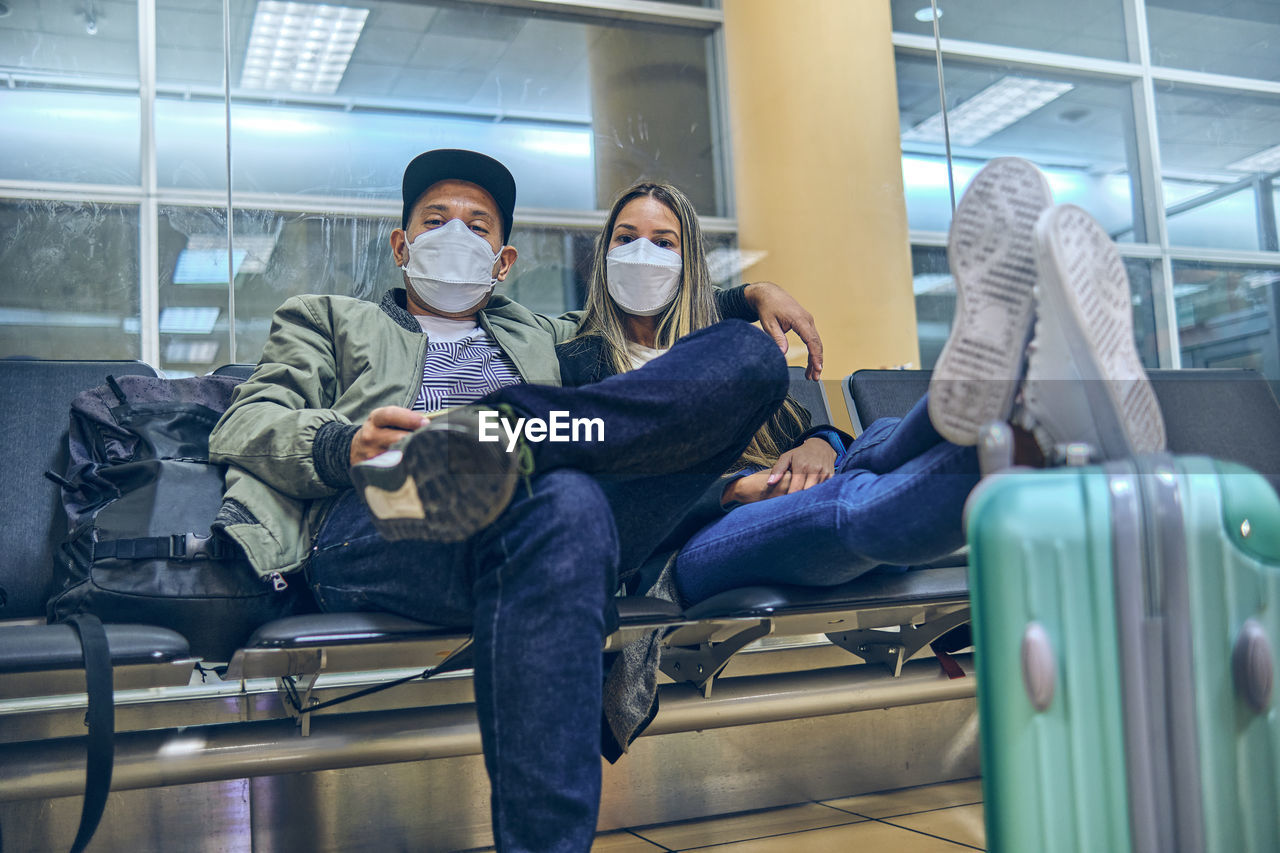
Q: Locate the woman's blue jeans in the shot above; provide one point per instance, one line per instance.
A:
(896, 498)
(535, 585)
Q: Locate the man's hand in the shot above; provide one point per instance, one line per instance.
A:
(807, 465)
(780, 313)
(385, 426)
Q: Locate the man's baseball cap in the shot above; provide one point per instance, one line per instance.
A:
(445, 164)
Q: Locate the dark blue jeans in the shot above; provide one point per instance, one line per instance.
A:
(897, 498)
(535, 585)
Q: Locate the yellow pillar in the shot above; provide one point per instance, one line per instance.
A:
(818, 171)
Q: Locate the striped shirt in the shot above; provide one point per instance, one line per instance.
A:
(462, 371)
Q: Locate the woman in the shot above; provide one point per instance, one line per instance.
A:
(832, 514)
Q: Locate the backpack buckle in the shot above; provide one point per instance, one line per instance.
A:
(193, 546)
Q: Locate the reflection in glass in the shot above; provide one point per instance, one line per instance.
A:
(935, 292)
(1143, 274)
(1237, 38)
(277, 255)
(576, 110)
(1079, 132)
(1200, 215)
(1084, 28)
(72, 271)
(1220, 152)
(1227, 315)
(46, 40)
(70, 94)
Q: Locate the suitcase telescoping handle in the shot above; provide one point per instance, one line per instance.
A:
(1251, 664)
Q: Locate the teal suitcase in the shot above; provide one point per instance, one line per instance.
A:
(1125, 621)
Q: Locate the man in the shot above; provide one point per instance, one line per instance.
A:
(530, 569)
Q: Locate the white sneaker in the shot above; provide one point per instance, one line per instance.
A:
(991, 249)
(1085, 382)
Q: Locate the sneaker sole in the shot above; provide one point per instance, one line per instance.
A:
(991, 249)
(1085, 289)
(446, 487)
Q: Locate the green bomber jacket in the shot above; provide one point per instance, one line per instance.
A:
(335, 359)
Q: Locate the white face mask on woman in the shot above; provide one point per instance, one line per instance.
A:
(450, 268)
(643, 278)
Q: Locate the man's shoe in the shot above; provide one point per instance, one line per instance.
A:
(1085, 382)
(991, 250)
(440, 483)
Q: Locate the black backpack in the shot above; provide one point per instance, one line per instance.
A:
(141, 495)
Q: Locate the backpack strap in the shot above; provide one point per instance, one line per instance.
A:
(101, 720)
(179, 546)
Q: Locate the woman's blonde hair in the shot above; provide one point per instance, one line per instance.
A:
(693, 308)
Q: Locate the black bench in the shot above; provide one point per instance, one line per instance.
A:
(242, 715)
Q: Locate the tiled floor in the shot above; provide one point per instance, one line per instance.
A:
(946, 817)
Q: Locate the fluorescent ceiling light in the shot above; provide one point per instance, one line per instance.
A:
(1263, 161)
(205, 266)
(191, 352)
(188, 320)
(990, 111)
(562, 143)
(300, 47)
(204, 260)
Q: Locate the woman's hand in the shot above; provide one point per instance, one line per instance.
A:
(754, 487)
(796, 470)
(808, 465)
(385, 426)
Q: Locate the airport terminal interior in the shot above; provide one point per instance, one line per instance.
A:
(171, 171)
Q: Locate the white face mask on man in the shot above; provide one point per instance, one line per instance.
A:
(450, 268)
(643, 278)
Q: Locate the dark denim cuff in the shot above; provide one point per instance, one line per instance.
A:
(733, 304)
(331, 452)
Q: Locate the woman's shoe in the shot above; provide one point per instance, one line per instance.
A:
(991, 250)
(1085, 382)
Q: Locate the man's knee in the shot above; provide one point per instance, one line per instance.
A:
(574, 502)
(747, 362)
(758, 357)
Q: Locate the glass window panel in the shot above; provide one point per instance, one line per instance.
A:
(64, 41)
(1197, 217)
(935, 292)
(189, 45)
(57, 134)
(71, 273)
(190, 106)
(70, 103)
(1227, 315)
(1083, 138)
(277, 255)
(1272, 240)
(1236, 37)
(1143, 276)
(1220, 145)
(576, 109)
(1085, 28)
